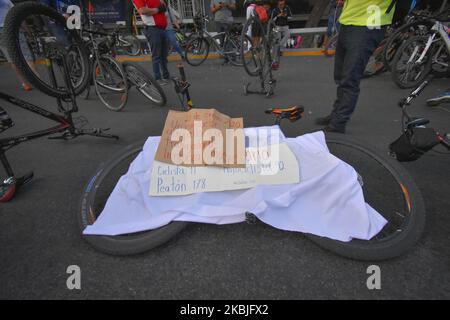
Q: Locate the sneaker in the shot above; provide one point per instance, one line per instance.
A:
(162, 82)
(333, 129)
(323, 121)
(438, 100)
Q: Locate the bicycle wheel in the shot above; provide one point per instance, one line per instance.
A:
(390, 190)
(110, 83)
(197, 50)
(255, 56)
(131, 45)
(94, 199)
(145, 83)
(232, 49)
(402, 34)
(407, 72)
(48, 42)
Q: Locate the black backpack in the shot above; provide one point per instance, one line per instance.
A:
(402, 9)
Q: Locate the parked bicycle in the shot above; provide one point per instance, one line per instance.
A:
(227, 44)
(113, 80)
(123, 44)
(108, 77)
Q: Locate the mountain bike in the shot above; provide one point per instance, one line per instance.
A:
(53, 42)
(227, 44)
(387, 187)
(421, 55)
(108, 77)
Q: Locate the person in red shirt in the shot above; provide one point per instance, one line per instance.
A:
(153, 16)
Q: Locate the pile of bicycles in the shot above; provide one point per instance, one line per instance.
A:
(414, 49)
(111, 79)
(199, 43)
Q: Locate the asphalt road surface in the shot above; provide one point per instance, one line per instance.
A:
(39, 236)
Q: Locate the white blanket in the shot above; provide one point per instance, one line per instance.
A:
(327, 202)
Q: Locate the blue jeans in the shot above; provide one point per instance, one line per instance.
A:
(160, 50)
(174, 42)
(354, 49)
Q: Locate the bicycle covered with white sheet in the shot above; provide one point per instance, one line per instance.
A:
(350, 199)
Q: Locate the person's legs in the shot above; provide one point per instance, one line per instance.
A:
(172, 38)
(164, 54)
(359, 43)
(338, 72)
(153, 36)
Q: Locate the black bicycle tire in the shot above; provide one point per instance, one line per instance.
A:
(119, 66)
(151, 80)
(394, 37)
(11, 28)
(121, 246)
(398, 56)
(248, 23)
(197, 62)
(237, 41)
(399, 244)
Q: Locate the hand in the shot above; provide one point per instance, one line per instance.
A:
(162, 8)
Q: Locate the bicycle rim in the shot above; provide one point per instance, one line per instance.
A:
(145, 83)
(110, 83)
(388, 189)
(197, 50)
(95, 197)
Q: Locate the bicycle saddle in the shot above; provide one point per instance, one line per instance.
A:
(5, 120)
(417, 122)
(292, 113)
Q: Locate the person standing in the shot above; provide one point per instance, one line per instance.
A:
(173, 21)
(223, 15)
(153, 14)
(363, 24)
(281, 15)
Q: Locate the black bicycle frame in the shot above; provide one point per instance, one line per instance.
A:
(65, 122)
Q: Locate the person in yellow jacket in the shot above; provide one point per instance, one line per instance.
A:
(363, 24)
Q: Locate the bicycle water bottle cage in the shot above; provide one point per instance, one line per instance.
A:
(5, 120)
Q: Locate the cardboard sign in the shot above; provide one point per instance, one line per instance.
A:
(171, 180)
(202, 137)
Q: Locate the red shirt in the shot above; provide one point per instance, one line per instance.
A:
(159, 19)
